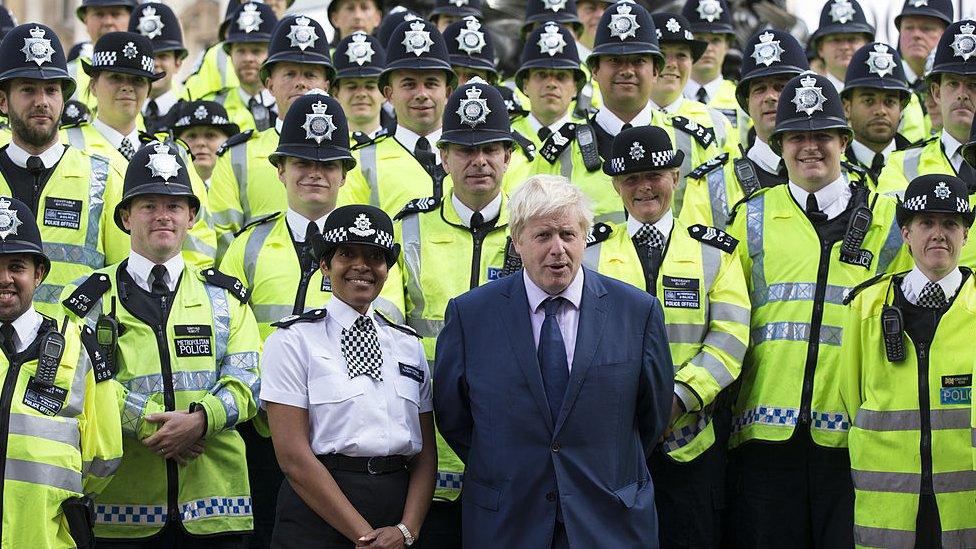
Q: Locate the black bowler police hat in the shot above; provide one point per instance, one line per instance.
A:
(711, 16)
(626, 28)
(7, 21)
(252, 22)
(939, 9)
(459, 8)
(417, 45)
(808, 103)
(192, 114)
(123, 52)
(769, 53)
(935, 193)
(19, 233)
(641, 149)
(85, 4)
(968, 150)
(878, 66)
(157, 22)
(673, 28)
(391, 21)
(470, 46)
(34, 51)
(360, 224)
(359, 55)
(298, 39)
(841, 17)
(74, 113)
(315, 128)
(475, 114)
(956, 51)
(550, 46)
(156, 168)
(512, 103)
(560, 11)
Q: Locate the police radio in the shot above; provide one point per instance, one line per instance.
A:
(586, 139)
(51, 350)
(745, 172)
(892, 325)
(107, 334)
(857, 229)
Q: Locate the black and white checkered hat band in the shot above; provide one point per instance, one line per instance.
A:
(148, 64)
(657, 159)
(214, 120)
(617, 165)
(109, 59)
(962, 205)
(915, 203)
(339, 235)
(661, 158)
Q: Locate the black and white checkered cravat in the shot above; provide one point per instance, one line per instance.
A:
(649, 236)
(361, 349)
(126, 148)
(931, 296)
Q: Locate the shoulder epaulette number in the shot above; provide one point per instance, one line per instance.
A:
(259, 221)
(307, 316)
(524, 143)
(704, 136)
(87, 294)
(557, 142)
(418, 205)
(234, 140)
(101, 366)
(400, 327)
(716, 238)
(599, 233)
(370, 141)
(227, 282)
(707, 167)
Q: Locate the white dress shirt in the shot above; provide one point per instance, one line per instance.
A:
(669, 109)
(140, 268)
(409, 139)
(838, 84)
(25, 329)
(865, 156)
(303, 366)
(298, 224)
(711, 88)
(536, 125)
(612, 125)
(953, 150)
(164, 102)
(914, 281)
(665, 224)
(114, 137)
(264, 97)
(762, 154)
(910, 75)
(49, 157)
(567, 317)
(489, 212)
(832, 199)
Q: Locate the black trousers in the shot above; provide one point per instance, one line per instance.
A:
(442, 526)
(265, 478)
(173, 536)
(793, 494)
(378, 498)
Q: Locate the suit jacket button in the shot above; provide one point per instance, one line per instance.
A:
(551, 496)
(554, 447)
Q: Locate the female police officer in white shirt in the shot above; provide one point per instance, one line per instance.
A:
(349, 401)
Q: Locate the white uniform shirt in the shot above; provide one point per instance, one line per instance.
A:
(303, 366)
(914, 281)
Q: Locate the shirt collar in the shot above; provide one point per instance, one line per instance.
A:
(664, 225)
(140, 267)
(910, 75)
(573, 293)
(25, 328)
(298, 224)
(554, 127)
(489, 212)
(838, 84)
(49, 158)
(762, 154)
(669, 109)
(612, 124)
(915, 280)
(264, 97)
(952, 146)
(582, 50)
(164, 102)
(409, 139)
(711, 88)
(344, 314)
(279, 124)
(115, 138)
(825, 196)
(865, 156)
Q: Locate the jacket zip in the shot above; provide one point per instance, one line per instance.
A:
(925, 417)
(813, 342)
(169, 400)
(478, 238)
(6, 397)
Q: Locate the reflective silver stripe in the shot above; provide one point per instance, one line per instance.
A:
(266, 313)
(368, 167)
(101, 467)
(96, 203)
(388, 308)
(194, 244)
(611, 218)
(884, 537)
(965, 537)
(591, 256)
(78, 255)
(221, 59)
(909, 420)
(200, 380)
(727, 342)
(239, 506)
(566, 161)
(715, 368)
(889, 250)
(131, 412)
(685, 333)
(231, 412)
(76, 137)
(795, 331)
(755, 227)
(718, 197)
(718, 123)
(253, 249)
(76, 401)
(130, 514)
(911, 483)
(221, 324)
(425, 327)
(448, 480)
(410, 232)
(797, 291)
(910, 164)
(48, 293)
(43, 474)
(220, 97)
(63, 431)
(728, 312)
(238, 162)
(683, 143)
(244, 368)
(711, 260)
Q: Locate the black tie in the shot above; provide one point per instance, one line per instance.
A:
(932, 296)
(423, 154)
(260, 113)
(626, 126)
(702, 95)
(307, 257)
(152, 110)
(552, 357)
(34, 165)
(7, 339)
(649, 243)
(813, 209)
(876, 165)
(477, 220)
(544, 133)
(158, 286)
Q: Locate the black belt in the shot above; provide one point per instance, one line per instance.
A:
(378, 465)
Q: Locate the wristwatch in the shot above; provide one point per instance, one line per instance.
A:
(407, 536)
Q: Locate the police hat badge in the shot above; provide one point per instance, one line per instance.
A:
(767, 51)
(249, 20)
(416, 40)
(941, 190)
(163, 163)
(302, 34)
(318, 125)
(200, 113)
(360, 51)
(8, 220)
(72, 111)
(918, 3)
(709, 10)
(458, 3)
(37, 48)
(809, 98)
(150, 23)
(554, 5)
(470, 39)
(880, 61)
(636, 151)
(473, 110)
(842, 11)
(623, 24)
(551, 41)
(964, 42)
(362, 227)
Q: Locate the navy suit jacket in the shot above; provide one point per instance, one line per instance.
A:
(491, 407)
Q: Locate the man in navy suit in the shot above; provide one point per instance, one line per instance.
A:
(553, 385)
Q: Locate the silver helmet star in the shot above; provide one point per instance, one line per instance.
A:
(249, 20)
(551, 42)
(841, 11)
(473, 110)
(150, 23)
(471, 40)
(360, 50)
(8, 220)
(318, 125)
(880, 61)
(303, 35)
(809, 97)
(709, 10)
(623, 24)
(767, 51)
(163, 163)
(37, 48)
(417, 40)
(964, 42)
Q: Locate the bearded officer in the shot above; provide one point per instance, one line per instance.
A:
(186, 346)
(693, 272)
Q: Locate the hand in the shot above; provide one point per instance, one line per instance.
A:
(388, 537)
(676, 411)
(179, 431)
(194, 451)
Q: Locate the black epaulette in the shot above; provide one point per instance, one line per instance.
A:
(235, 139)
(854, 168)
(401, 327)
(307, 316)
(101, 366)
(524, 143)
(707, 167)
(256, 222)
(599, 233)
(360, 138)
(418, 205)
(704, 136)
(716, 238)
(921, 142)
(87, 294)
(852, 293)
(227, 282)
(557, 142)
(372, 141)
